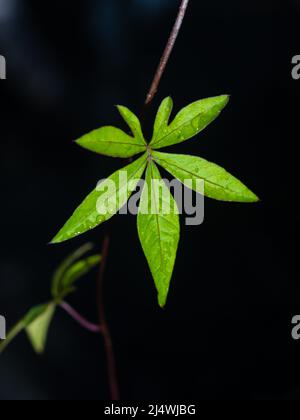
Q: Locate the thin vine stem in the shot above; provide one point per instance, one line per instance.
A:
(83, 322)
(103, 326)
(108, 344)
(167, 53)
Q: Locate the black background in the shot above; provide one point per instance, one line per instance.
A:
(226, 331)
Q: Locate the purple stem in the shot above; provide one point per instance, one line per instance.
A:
(80, 319)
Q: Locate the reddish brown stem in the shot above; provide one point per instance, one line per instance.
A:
(167, 53)
(83, 322)
(110, 355)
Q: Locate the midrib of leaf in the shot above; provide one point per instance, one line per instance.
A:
(157, 218)
(177, 129)
(197, 176)
(157, 134)
(123, 144)
(161, 124)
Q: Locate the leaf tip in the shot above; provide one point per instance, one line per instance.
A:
(63, 236)
(120, 108)
(255, 199)
(225, 98)
(162, 300)
(58, 239)
(251, 197)
(169, 99)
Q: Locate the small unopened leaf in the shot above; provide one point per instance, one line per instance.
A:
(159, 230)
(37, 330)
(218, 183)
(66, 264)
(104, 202)
(162, 118)
(134, 123)
(111, 141)
(190, 121)
(65, 285)
(30, 317)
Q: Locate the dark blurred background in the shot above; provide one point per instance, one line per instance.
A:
(226, 332)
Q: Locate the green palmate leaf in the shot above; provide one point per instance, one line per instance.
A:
(162, 118)
(66, 265)
(158, 219)
(111, 141)
(159, 230)
(190, 121)
(25, 322)
(65, 286)
(218, 184)
(134, 124)
(37, 330)
(104, 202)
